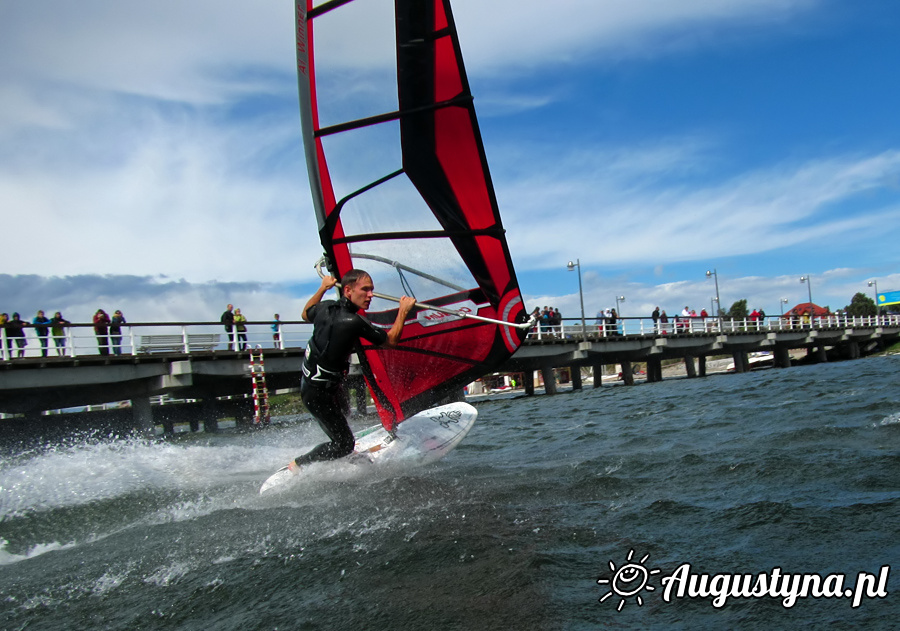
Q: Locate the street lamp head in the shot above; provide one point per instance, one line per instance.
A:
(872, 283)
(784, 300)
(803, 279)
(571, 266)
(709, 274)
(621, 298)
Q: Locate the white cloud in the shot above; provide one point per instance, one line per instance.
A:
(189, 51)
(644, 200)
(834, 288)
(507, 34)
(140, 193)
(166, 49)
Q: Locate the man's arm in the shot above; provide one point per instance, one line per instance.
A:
(327, 283)
(406, 305)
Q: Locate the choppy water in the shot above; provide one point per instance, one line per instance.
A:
(797, 469)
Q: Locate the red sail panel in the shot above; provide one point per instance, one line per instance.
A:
(406, 195)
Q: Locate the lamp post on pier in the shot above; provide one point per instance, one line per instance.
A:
(812, 313)
(781, 303)
(874, 283)
(713, 274)
(571, 266)
(618, 300)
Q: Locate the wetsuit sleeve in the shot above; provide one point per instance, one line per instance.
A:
(370, 332)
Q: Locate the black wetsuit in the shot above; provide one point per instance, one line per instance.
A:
(337, 328)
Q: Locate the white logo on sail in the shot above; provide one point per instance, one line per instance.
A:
(431, 317)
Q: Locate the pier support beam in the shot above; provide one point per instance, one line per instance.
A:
(701, 365)
(689, 367)
(853, 349)
(821, 355)
(782, 357)
(142, 414)
(209, 412)
(168, 424)
(528, 378)
(575, 371)
(627, 373)
(597, 370)
(740, 361)
(549, 377)
(654, 370)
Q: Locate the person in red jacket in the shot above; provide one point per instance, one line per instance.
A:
(101, 329)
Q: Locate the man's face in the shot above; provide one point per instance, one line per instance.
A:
(360, 293)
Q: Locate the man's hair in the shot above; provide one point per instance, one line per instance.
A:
(353, 276)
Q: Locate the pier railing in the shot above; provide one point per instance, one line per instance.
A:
(77, 340)
(147, 338)
(571, 328)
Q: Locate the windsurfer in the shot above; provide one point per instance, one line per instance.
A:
(337, 329)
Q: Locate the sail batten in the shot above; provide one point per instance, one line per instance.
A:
(389, 116)
(315, 12)
(433, 234)
(423, 202)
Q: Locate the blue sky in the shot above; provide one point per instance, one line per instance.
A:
(150, 154)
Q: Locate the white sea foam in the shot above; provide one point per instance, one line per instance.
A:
(8, 558)
(109, 582)
(892, 419)
(169, 574)
(78, 474)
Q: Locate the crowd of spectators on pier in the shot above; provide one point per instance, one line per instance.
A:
(45, 329)
(107, 330)
(549, 319)
(608, 322)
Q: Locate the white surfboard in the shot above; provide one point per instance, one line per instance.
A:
(421, 439)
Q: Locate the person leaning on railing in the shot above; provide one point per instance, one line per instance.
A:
(115, 331)
(40, 323)
(15, 330)
(101, 330)
(57, 331)
(240, 326)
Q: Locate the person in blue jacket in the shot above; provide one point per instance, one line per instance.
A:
(42, 329)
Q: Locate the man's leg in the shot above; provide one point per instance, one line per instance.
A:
(325, 406)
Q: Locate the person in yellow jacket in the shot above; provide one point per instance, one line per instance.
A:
(240, 326)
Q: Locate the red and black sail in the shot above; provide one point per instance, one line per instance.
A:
(404, 192)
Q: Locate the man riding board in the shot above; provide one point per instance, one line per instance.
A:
(337, 329)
